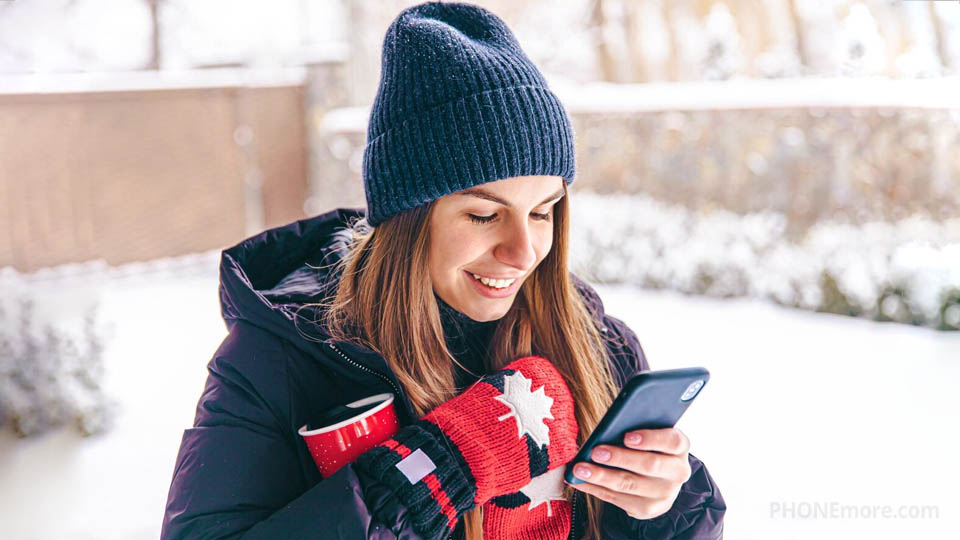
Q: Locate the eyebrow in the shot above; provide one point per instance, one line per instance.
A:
(483, 194)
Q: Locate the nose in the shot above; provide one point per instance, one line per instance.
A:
(516, 247)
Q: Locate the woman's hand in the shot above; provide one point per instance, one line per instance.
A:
(643, 479)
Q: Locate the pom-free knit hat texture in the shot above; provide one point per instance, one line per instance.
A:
(459, 104)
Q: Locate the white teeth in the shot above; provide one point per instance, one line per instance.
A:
(495, 283)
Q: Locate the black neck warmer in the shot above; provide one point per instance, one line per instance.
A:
(467, 340)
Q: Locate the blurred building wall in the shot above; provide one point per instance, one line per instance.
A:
(855, 163)
(134, 175)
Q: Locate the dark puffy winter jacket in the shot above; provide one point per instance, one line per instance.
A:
(243, 471)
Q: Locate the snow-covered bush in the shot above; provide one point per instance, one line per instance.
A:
(53, 337)
(51, 368)
(907, 271)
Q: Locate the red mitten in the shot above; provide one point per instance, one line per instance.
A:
(490, 440)
(538, 511)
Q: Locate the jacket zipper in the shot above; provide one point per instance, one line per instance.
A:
(573, 517)
(368, 370)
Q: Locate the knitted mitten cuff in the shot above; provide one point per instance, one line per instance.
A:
(427, 474)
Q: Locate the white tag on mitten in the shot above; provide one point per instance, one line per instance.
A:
(416, 466)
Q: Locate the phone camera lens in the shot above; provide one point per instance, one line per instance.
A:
(692, 390)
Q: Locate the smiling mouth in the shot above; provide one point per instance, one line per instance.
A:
(494, 283)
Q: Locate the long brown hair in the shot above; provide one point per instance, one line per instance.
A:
(385, 302)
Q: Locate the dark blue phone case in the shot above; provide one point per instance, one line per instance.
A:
(649, 400)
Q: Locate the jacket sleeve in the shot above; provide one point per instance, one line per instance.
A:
(237, 474)
(698, 512)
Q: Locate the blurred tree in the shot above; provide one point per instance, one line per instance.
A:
(939, 34)
(156, 52)
(598, 23)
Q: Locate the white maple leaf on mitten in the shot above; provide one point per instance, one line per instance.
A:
(545, 488)
(529, 408)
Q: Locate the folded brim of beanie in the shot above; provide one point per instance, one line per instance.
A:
(480, 138)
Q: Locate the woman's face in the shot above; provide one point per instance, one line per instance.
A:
(499, 230)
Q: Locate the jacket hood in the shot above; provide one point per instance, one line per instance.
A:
(268, 279)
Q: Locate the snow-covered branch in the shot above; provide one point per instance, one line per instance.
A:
(906, 271)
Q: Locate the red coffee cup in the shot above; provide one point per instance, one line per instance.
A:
(350, 430)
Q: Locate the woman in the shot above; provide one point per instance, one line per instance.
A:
(452, 292)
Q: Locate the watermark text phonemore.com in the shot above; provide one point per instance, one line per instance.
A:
(837, 510)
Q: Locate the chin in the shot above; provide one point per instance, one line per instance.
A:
(490, 314)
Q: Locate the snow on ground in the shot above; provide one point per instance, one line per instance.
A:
(801, 408)
(115, 486)
(806, 408)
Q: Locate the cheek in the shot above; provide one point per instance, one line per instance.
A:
(543, 243)
(453, 248)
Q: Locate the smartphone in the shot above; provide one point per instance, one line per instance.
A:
(649, 400)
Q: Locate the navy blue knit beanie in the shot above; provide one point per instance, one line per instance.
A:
(459, 104)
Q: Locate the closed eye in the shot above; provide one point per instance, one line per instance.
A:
(487, 219)
(481, 219)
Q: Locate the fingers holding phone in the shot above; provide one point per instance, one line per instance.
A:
(667, 440)
(643, 478)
